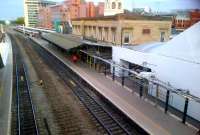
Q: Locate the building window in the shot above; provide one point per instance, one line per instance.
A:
(146, 31)
(113, 34)
(119, 5)
(162, 36)
(113, 5)
(126, 38)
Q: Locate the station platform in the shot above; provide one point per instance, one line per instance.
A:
(6, 76)
(147, 116)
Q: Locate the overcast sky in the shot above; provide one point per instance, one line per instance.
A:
(11, 9)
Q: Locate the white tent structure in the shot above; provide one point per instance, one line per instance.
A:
(4, 50)
(176, 62)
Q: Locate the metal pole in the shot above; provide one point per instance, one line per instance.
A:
(90, 61)
(167, 101)
(113, 74)
(185, 110)
(123, 78)
(87, 59)
(141, 88)
(94, 63)
(157, 93)
(105, 69)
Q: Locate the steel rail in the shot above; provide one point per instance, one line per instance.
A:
(66, 75)
(26, 118)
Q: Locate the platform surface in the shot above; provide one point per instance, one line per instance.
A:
(147, 116)
(6, 92)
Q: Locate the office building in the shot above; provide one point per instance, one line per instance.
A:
(31, 11)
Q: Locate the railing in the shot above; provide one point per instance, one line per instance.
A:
(117, 72)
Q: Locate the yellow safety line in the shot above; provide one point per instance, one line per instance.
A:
(72, 83)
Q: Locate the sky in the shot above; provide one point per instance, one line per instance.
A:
(11, 9)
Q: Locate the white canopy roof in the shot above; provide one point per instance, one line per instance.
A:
(185, 46)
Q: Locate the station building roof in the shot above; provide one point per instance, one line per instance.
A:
(127, 16)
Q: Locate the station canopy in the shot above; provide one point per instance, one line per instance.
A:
(67, 41)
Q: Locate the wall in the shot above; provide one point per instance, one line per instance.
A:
(100, 9)
(73, 8)
(195, 16)
(167, 69)
(45, 18)
(133, 27)
(91, 9)
(83, 10)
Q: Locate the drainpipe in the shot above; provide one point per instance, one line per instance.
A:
(121, 37)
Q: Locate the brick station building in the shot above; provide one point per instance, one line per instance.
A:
(183, 21)
(124, 29)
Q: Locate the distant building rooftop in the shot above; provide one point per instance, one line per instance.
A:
(129, 16)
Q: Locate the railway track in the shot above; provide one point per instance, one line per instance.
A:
(111, 123)
(26, 120)
(101, 115)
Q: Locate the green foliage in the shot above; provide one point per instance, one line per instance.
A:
(2, 22)
(19, 21)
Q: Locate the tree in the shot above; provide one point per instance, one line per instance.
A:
(19, 21)
(2, 22)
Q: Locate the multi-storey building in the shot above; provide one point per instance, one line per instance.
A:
(45, 3)
(194, 16)
(83, 10)
(91, 9)
(61, 14)
(45, 18)
(73, 7)
(124, 29)
(185, 19)
(100, 9)
(31, 11)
